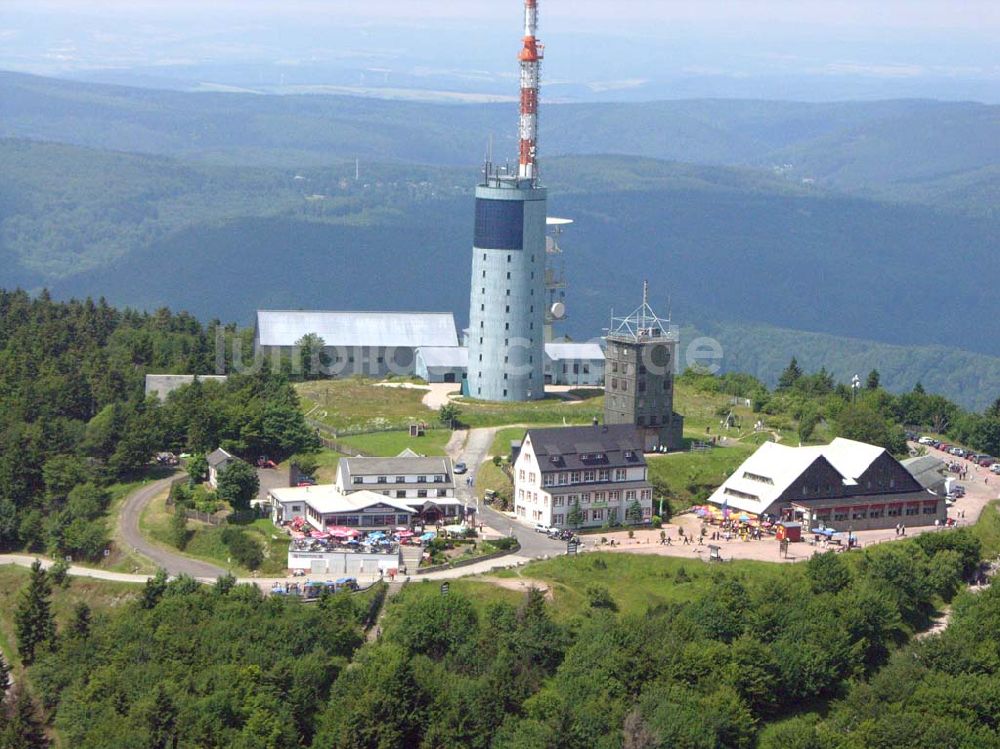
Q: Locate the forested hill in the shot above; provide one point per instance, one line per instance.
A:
(725, 244)
(909, 149)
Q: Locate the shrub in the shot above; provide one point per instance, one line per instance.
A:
(244, 549)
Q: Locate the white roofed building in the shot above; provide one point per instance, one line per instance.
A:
(846, 485)
(442, 363)
(574, 364)
(373, 344)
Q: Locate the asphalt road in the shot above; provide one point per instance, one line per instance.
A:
(473, 454)
(173, 563)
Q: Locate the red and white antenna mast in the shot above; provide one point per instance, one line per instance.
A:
(531, 58)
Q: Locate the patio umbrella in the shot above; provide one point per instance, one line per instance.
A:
(340, 532)
(375, 535)
(320, 534)
(744, 518)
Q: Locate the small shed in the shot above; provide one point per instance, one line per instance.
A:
(791, 532)
(218, 461)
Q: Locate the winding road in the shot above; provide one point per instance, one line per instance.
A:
(173, 563)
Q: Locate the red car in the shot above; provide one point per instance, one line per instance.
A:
(264, 462)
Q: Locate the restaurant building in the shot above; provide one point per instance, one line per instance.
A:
(844, 486)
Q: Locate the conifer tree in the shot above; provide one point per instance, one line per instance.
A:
(33, 620)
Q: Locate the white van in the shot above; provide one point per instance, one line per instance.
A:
(542, 528)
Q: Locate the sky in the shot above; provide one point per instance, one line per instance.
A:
(803, 49)
(980, 16)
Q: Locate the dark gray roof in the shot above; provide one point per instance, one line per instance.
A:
(927, 470)
(396, 467)
(593, 447)
(218, 457)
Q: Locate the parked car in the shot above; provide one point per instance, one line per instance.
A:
(461, 468)
(926, 440)
(542, 528)
(306, 481)
(987, 461)
(957, 452)
(264, 462)
(995, 468)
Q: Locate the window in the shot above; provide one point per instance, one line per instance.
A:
(357, 480)
(574, 478)
(590, 476)
(894, 511)
(557, 520)
(840, 513)
(912, 509)
(630, 495)
(421, 479)
(401, 493)
(604, 475)
(620, 474)
(930, 508)
(585, 497)
(499, 224)
(548, 479)
(422, 493)
(520, 474)
(597, 514)
(859, 513)
(442, 492)
(562, 477)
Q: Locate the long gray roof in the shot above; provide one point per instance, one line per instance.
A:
(396, 467)
(404, 329)
(926, 469)
(593, 447)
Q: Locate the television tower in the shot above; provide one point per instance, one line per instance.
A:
(507, 304)
(531, 58)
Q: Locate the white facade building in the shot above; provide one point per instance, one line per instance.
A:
(600, 469)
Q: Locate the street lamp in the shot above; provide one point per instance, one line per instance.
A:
(855, 387)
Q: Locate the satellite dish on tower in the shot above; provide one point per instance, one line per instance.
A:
(558, 311)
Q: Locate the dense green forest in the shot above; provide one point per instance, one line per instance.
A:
(871, 414)
(74, 419)
(731, 658)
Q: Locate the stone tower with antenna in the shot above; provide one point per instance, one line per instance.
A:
(640, 359)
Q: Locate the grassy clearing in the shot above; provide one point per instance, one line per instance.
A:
(100, 595)
(488, 476)
(551, 410)
(390, 444)
(357, 404)
(987, 529)
(501, 443)
(686, 478)
(481, 594)
(652, 580)
(205, 541)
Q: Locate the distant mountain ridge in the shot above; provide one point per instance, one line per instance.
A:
(906, 149)
(233, 202)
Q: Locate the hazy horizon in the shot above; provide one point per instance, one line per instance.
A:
(633, 50)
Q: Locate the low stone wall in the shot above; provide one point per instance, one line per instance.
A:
(467, 562)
